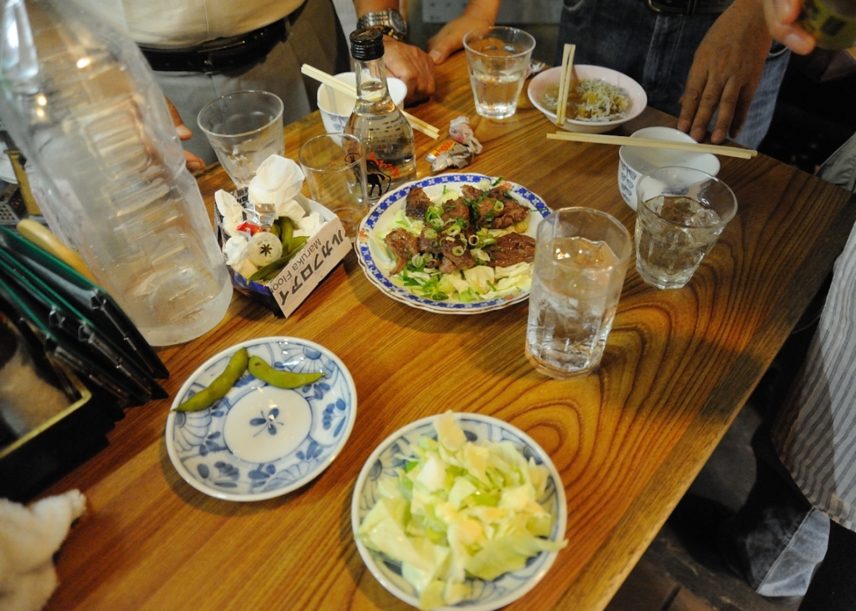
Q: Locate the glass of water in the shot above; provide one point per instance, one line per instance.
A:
(244, 128)
(498, 62)
(581, 257)
(680, 213)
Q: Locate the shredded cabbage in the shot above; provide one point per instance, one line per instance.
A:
(459, 510)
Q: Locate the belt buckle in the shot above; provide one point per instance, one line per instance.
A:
(673, 7)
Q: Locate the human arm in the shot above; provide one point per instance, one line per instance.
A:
(726, 70)
(781, 16)
(477, 14)
(407, 62)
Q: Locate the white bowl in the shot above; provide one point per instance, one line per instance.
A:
(638, 98)
(633, 162)
(389, 456)
(336, 107)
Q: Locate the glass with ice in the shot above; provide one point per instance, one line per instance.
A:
(498, 62)
(244, 128)
(680, 214)
(581, 257)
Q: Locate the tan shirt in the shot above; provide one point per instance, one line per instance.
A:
(185, 23)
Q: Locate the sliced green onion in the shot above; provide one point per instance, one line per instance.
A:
(473, 240)
(453, 230)
(417, 261)
(458, 250)
(498, 206)
(430, 233)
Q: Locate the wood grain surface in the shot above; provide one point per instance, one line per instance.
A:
(627, 440)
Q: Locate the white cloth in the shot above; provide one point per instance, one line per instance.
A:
(29, 537)
(185, 23)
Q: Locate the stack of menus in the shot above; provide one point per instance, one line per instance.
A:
(81, 347)
(75, 324)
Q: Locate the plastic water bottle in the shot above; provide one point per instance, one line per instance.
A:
(81, 102)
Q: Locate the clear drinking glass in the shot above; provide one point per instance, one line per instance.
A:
(244, 128)
(581, 258)
(680, 213)
(335, 170)
(498, 62)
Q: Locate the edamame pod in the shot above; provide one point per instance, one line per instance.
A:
(218, 388)
(286, 227)
(279, 378)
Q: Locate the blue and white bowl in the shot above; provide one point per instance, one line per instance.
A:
(391, 455)
(376, 263)
(260, 441)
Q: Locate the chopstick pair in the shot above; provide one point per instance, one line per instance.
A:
(695, 147)
(566, 82)
(334, 83)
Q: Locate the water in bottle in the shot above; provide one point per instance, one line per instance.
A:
(79, 99)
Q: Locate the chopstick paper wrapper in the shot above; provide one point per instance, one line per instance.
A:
(695, 147)
(334, 83)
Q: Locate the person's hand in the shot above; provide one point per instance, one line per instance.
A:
(726, 70)
(781, 16)
(193, 163)
(478, 14)
(412, 65)
(451, 37)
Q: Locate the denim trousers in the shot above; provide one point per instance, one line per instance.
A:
(657, 51)
(777, 540)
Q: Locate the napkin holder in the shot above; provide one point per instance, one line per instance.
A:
(321, 253)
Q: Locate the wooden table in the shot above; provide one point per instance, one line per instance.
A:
(628, 440)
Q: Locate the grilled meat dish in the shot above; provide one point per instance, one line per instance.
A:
(403, 245)
(499, 210)
(510, 249)
(456, 211)
(417, 203)
(456, 255)
(454, 228)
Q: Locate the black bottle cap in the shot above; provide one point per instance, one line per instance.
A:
(366, 44)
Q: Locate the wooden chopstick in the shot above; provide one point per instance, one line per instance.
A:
(334, 83)
(566, 82)
(696, 147)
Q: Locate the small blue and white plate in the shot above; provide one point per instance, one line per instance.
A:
(260, 441)
(376, 262)
(392, 454)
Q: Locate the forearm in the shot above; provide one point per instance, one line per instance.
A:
(486, 10)
(367, 6)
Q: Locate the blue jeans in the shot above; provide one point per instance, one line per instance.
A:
(657, 51)
(777, 539)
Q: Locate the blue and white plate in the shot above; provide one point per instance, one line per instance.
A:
(376, 262)
(261, 441)
(393, 452)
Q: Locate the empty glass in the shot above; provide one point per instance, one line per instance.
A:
(335, 169)
(244, 129)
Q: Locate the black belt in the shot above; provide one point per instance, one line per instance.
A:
(688, 7)
(221, 54)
